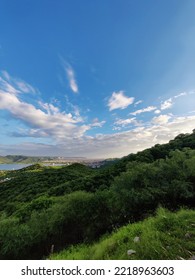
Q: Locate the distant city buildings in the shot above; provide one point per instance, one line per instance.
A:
(93, 163)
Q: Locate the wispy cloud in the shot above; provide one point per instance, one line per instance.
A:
(162, 119)
(70, 74)
(180, 94)
(138, 102)
(120, 124)
(97, 123)
(14, 85)
(125, 122)
(118, 100)
(49, 108)
(170, 102)
(166, 104)
(147, 109)
(71, 107)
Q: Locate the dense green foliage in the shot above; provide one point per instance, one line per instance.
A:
(165, 236)
(61, 206)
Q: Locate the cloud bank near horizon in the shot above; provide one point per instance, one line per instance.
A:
(59, 132)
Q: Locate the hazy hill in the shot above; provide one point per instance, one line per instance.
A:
(21, 159)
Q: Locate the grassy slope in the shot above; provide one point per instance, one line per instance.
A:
(165, 236)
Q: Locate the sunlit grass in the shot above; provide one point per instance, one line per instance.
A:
(165, 236)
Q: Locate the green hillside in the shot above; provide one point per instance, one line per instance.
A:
(165, 236)
(65, 206)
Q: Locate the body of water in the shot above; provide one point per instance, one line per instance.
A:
(12, 166)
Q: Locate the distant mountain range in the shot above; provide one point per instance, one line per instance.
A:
(22, 159)
(9, 159)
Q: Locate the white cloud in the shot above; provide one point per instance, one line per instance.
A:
(67, 130)
(4, 85)
(97, 123)
(71, 107)
(117, 128)
(157, 111)
(50, 108)
(24, 87)
(119, 101)
(70, 76)
(180, 94)
(53, 123)
(162, 119)
(147, 109)
(14, 85)
(125, 122)
(45, 121)
(72, 80)
(119, 124)
(110, 145)
(166, 104)
(138, 102)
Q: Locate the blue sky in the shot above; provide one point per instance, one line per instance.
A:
(95, 78)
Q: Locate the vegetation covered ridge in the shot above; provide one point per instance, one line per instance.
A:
(57, 207)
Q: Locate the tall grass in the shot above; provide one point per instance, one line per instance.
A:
(165, 236)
